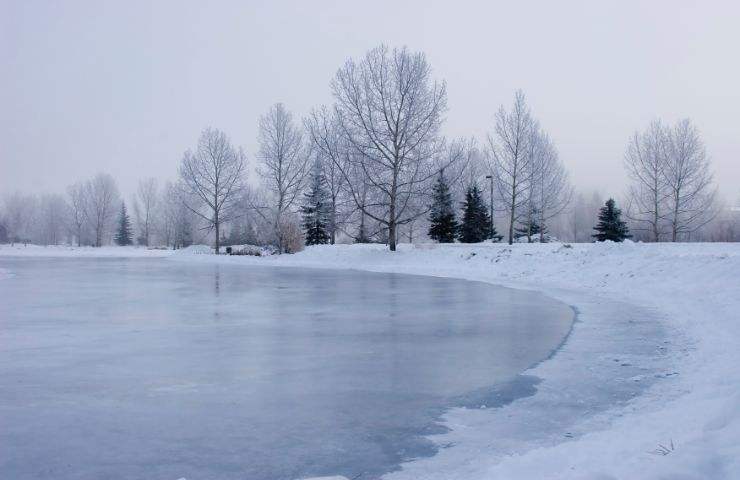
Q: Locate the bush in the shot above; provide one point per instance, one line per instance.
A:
(292, 236)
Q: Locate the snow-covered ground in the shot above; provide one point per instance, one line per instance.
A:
(685, 424)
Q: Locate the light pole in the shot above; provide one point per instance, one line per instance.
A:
(490, 177)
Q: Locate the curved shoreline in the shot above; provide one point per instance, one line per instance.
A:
(692, 290)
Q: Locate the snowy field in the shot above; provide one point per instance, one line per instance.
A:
(684, 425)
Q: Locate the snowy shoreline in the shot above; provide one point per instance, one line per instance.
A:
(693, 403)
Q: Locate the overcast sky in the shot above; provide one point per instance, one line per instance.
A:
(126, 87)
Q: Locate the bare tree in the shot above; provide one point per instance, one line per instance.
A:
(19, 210)
(53, 212)
(646, 160)
(145, 204)
(284, 160)
(688, 180)
(327, 139)
(390, 111)
(512, 157)
(101, 201)
(212, 176)
(77, 211)
(551, 190)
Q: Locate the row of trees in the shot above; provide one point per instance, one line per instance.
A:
(91, 213)
(671, 192)
(374, 166)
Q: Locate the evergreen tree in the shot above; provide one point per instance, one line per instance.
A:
(476, 223)
(530, 227)
(443, 225)
(124, 236)
(315, 210)
(610, 226)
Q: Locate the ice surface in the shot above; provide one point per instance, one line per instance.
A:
(147, 368)
(691, 399)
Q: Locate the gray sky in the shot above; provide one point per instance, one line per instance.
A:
(126, 87)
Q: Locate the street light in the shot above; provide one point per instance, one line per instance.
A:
(490, 177)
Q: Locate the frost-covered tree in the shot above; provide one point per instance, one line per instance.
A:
(315, 210)
(328, 142)
(212, 178)
(18, 212)
(52, 219)
(101, 197)
(77, 216)
(476, 224)
(688, 180)
(284, 163)
(610, 226)
(443, 224)
(550, 191)
(646, 159)
(124, 235)
(510, 151)
(390, 110)
(145, 204)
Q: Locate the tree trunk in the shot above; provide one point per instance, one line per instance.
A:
(392, 215)
(511, 219)
(218, 227)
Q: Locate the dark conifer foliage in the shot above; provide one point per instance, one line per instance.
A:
(443, 224)
(476, 223)
(610, 226)
(530, 228)
(315, 209)
(124, 235)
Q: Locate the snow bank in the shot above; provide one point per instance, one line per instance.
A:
(194, 250)
(687, 425)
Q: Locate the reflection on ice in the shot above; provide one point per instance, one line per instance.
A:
(114, 368)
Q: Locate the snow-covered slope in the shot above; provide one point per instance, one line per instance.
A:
(694, 413)
(685, 424)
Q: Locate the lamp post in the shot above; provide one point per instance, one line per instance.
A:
(490, 177)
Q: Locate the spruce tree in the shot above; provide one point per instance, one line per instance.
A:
(315, 209)
(123, 233)
(610, 226)
(443, 225)
(530, 227)
(476, 223)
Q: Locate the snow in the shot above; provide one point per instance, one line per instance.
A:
(684, 424)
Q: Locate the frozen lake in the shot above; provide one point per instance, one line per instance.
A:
(156, 369)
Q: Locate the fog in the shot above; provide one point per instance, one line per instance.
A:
(125, 88)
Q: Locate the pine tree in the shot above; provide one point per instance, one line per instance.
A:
(610, 226)
(476, 223)
(123, 234)
(315, 210)
(443, 225)
(530, 227)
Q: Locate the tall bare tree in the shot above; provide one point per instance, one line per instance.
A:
(19, 210)
(512, 156)
(389, 110)
(284, 161)
(145, 204)
(101, 202)
(77, 212)
(212, 178)
(688, 180)
(646, 160)
(551, 189)
(326, 136)
(53, 212)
